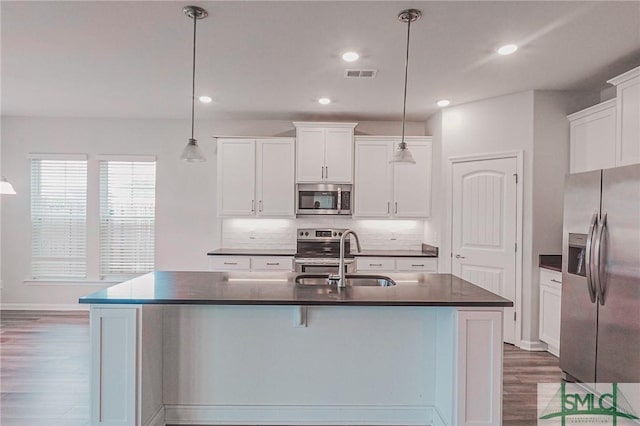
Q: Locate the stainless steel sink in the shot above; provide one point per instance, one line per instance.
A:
(355, 280)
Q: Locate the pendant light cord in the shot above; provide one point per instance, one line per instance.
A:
(193, 75)
(406, 72)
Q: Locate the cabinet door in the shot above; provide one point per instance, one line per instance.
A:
(230, 263)
(338, 155)
(236, 177)
(628, 140)
(550, 297)
(275, 177)
(593, 141)
(412, 183)
(373, 179)
(310, 154)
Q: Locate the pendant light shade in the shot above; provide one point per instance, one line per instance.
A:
(5, 187)
(192, 153)
(402, 154)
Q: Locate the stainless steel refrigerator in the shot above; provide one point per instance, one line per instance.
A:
(600, 329)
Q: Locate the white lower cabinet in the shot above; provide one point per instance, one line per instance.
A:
(383, 189)
(274, 263)
(550, 303)
(396, 264)
(230, 263)
(250, 263)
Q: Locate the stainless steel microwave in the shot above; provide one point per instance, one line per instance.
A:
(323, 199)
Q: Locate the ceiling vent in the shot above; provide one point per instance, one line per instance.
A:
(360, 73)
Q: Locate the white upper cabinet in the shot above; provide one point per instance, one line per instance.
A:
(628, 117)
(608, 134)
(373, 179)
(256, 177)
(236, 177)
(324, 152)
(593, 138)
(412, 183)
(384, 189)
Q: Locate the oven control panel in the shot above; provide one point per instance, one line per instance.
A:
(325, 234)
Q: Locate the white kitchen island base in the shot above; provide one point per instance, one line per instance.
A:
(257, 364)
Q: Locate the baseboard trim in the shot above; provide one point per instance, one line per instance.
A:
(157, 419)
(301, 415)
(42, 307)
(533, 345)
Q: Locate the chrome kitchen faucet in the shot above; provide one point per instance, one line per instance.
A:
(340, 277)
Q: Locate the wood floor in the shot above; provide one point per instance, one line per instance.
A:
(44, 372)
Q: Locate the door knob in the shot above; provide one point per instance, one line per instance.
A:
(460, 257)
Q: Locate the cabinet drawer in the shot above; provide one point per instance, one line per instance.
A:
(274, 263)
(550, 278)
(376, 264)
(230, 263)
(421, 264)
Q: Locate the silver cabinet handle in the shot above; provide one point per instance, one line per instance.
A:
(322, 169)
(460, 257)
(260, 205)
(588, 257)
(326, 172)
(230, 263)
(388, 207)
(396, 207)
(375, 264)
(273, 263)
(556, 281)
(253, 205)
(417, 265)
(598, 264)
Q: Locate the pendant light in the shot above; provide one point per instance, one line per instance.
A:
(5, 187)
(402, 154)
(192, 152)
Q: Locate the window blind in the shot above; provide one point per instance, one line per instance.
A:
(58, 218)
(127, 218)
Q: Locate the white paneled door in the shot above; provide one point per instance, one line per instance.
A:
(484, 228)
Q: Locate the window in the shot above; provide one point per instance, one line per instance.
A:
(127, 218)
(58, 217)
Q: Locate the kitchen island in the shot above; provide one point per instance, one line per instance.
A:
(249, 348)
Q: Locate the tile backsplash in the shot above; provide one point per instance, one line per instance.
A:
(253, 233)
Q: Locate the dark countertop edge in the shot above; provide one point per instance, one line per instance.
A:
(553, 262)
(291, 303)
(249, 252)
(427, 251)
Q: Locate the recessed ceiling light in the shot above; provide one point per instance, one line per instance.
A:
(507, 49)
(443, 102)
(324, 101)
(205, 99)
(350, 56)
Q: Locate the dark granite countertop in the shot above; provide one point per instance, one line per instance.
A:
(217, 288)
(427, 251)
(551, 261)
(393, 253)
(252, 252)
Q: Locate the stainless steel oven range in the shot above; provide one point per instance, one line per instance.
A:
(318, 251)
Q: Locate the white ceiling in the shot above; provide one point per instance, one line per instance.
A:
(272, 60)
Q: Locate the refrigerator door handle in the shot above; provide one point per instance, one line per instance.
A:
(589, 257)
(599, 265)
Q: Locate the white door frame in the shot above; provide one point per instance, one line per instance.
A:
(519, 156)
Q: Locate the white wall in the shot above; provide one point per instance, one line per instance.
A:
(532, 122)
(186, 222)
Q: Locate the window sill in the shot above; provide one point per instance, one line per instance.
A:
(88, 283)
